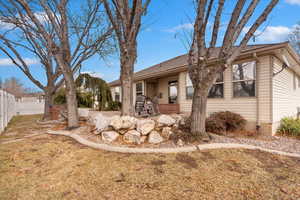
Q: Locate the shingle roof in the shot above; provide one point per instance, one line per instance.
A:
(180, 62)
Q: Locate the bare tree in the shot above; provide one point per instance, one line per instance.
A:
(125, 17)
(203, 70)
(25, 40)
(294, 38)
(14, 86)
(55, 34)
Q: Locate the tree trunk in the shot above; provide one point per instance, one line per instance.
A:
(72, 105)
(127, 83)
(49, 101)
(198, 115)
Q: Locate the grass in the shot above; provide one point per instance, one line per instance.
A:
(53, 167)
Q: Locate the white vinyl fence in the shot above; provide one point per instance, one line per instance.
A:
(7, 108)
(30, 107)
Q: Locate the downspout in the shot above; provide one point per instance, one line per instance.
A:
(257, 66)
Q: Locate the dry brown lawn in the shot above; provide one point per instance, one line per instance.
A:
(54, 167)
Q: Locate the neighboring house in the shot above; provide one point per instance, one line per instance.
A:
(258, 86)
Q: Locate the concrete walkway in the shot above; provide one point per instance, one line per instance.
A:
(191, 148)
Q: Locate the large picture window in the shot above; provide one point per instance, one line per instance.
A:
(244, 76)
(217, 90)
(139, 88)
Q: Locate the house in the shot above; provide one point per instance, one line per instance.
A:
(263, 85)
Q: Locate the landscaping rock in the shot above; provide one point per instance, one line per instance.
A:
(145, 126)
(180, 143)
(101, 122)
(122, 131)
(166, 132)
(116, 122)
(132, 137)
(143, 139)
(179, 120)
(166, 120)
(109, 136)
(128, 122)
(155, 138)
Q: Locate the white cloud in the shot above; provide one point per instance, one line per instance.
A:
(8, 62)
(271, 34)
(93, 74)
(6, 26)
(293, 2)
(187, 26)
(41, 16)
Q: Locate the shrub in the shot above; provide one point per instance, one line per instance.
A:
(289, 126)
(232, 121)
(221, 122)
(215, 125)
(114, 106)
(84, 99)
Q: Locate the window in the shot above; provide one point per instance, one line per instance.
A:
(217, 90)
(189, 87)
(244, 76)
(139, 88)
(294, 81)
(118, 94)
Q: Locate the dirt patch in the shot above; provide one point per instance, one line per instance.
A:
(158, 162)
(269, 162)
(188, 161)
(234, 166)
(206, 155)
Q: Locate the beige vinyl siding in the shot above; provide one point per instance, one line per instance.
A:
(246, 106)
(286, 99)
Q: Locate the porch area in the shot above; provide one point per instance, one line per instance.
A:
(163, 90)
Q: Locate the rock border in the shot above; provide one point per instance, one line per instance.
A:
(192, 148)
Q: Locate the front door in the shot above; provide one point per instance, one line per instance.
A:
(173, 92)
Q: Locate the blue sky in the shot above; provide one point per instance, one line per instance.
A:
(162, 38)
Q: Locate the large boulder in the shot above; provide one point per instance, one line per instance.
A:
(179, 120)
(166, 120)
(166, 132)
(109, 136)
(101, 122)
(116, 122)
(132, 136)
(145, 126)
(128, 122)
(155, 138)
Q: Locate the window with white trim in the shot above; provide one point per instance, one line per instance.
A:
(139, 88)
(118, 94)
(217, 90)
(244, 78)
